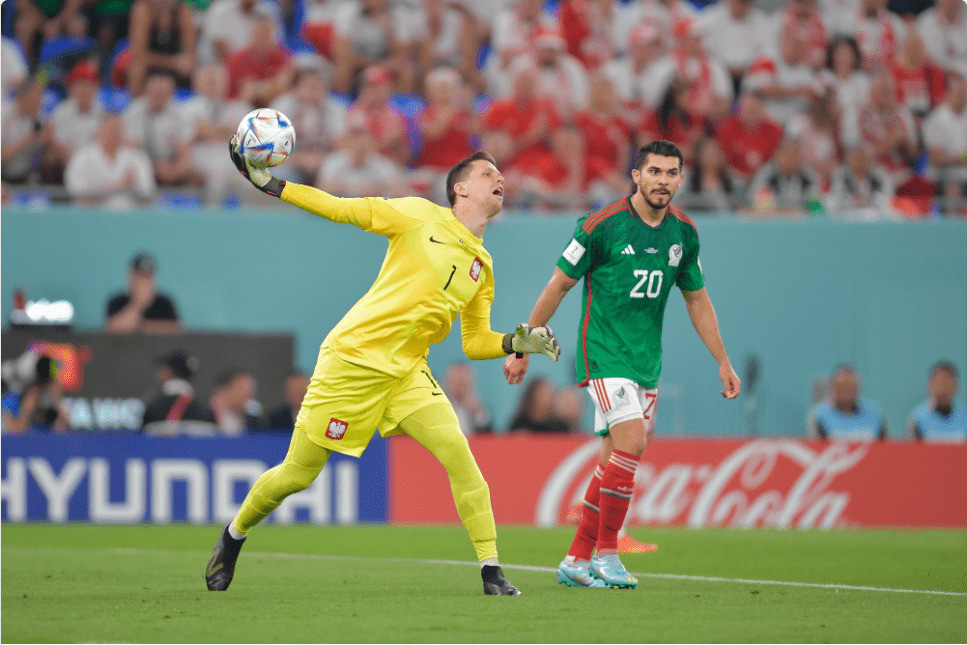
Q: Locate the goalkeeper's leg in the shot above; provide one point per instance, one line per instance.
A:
(302, 464)
(437, 429)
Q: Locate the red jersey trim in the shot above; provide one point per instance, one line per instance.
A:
(682, 217)
(596, 218)
(584, 334)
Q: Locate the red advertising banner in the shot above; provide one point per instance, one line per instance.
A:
(781, 483)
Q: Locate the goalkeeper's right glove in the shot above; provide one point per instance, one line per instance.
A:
(537, 340)
(261, 178)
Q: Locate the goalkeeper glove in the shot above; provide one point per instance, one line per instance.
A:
(261, 178)
(537, 340)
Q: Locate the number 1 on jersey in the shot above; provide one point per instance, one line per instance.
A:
(450, 278)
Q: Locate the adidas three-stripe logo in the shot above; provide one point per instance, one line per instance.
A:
(628, 250)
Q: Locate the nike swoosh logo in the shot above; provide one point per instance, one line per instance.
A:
(436, 241)
(217, 567)
(437, 393)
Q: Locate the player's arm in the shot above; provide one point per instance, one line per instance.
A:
(515, 367)
(371, 214)
(706, 323)
(481, 342)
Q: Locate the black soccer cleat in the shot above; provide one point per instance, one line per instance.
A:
(221, 567)
(495, 584)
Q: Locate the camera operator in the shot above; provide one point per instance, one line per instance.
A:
(38, 405)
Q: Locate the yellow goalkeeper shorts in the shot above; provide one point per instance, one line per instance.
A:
(346, 403)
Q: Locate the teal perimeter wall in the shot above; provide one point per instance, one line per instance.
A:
(804, 296)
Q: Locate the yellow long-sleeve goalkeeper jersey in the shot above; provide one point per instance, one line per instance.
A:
(434, 269)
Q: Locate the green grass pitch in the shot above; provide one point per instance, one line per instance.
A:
(79, 583)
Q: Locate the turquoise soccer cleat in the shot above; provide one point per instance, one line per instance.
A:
(577, 574)
(609, 569)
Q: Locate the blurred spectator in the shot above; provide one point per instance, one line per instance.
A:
(459, 383)
(261, 71)
(706, 81)
(673, 121)
(535, 411)
(213, 119)
(817, 129)
(319, 27)
(945, 137)
(108, 173)
(707, 185)
(449, 126)
(524, 134)
(860, 187)
(110, 20)
(800, 21)
(40, 20)
(878, 31)
(844, 415)
(785, 184)
(385, 124)
(750, 137)
(236, 411)
(357, 170)
(607, 142)
(23, 134)
(568, 410)
(452, 41)
(845, 78)
(560, 77)
(919, 83)
(628, 73)
(735, 32)
(784, 78)
(226, 26)
(38, 402)
(161, 35)
(371, 32)
(666, 16)
(284, 416)
(943, 28)
(76, 119)
(592, 29)
(155, 124)
(13, 66)
(887, 126)
(512, 34)
(320, 123)
(940, 419)
(837, 13)
(142, 308)
(177, 410)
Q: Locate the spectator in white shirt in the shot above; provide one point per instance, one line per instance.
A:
(107, 173)
(666, 16)
(560, 76)
(784, 78)
(76, 119)
(878, 31)
(155, 124)
(357, 170)
(861, 187)
(736, 33)
(319, 122)
(629, 73)
(226, 26)
(845, 77)
(511, 35)
(13, 65)
(943, 28)
(213, 119)
(945, 136)
(23, 135)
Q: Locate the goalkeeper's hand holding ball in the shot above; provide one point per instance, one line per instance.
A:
(261, 178)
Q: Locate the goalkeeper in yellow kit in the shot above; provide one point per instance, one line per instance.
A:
(372, 371)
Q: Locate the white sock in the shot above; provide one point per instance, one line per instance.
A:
(234, 532)
(489, 562)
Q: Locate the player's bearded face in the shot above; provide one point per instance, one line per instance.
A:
(658, 180)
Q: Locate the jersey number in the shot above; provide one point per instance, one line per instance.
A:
(653, 288)
(450, 278)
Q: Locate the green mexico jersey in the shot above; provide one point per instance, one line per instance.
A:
(629, 268)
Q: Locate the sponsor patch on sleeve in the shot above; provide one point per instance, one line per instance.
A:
(574, 252)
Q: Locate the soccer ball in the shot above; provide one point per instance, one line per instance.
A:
(265, 137)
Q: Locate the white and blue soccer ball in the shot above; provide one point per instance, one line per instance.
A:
(265, 137)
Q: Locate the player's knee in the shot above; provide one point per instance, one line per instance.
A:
(451, 449)
(296, 478)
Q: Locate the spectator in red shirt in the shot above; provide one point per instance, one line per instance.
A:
(589, 27)
(749, 138)
(920, 84)
(385, 124)
(802, 18)
(524, 134)
(888, 127)
(607, 142)
(448, 122)
(263, 70)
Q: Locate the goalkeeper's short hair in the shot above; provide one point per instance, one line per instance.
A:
(459, 172)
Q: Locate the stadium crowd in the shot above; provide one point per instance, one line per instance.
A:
(807, 106)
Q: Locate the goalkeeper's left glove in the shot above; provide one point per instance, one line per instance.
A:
(261, 178)
(536, 340)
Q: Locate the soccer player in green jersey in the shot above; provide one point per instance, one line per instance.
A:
(629, 253)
